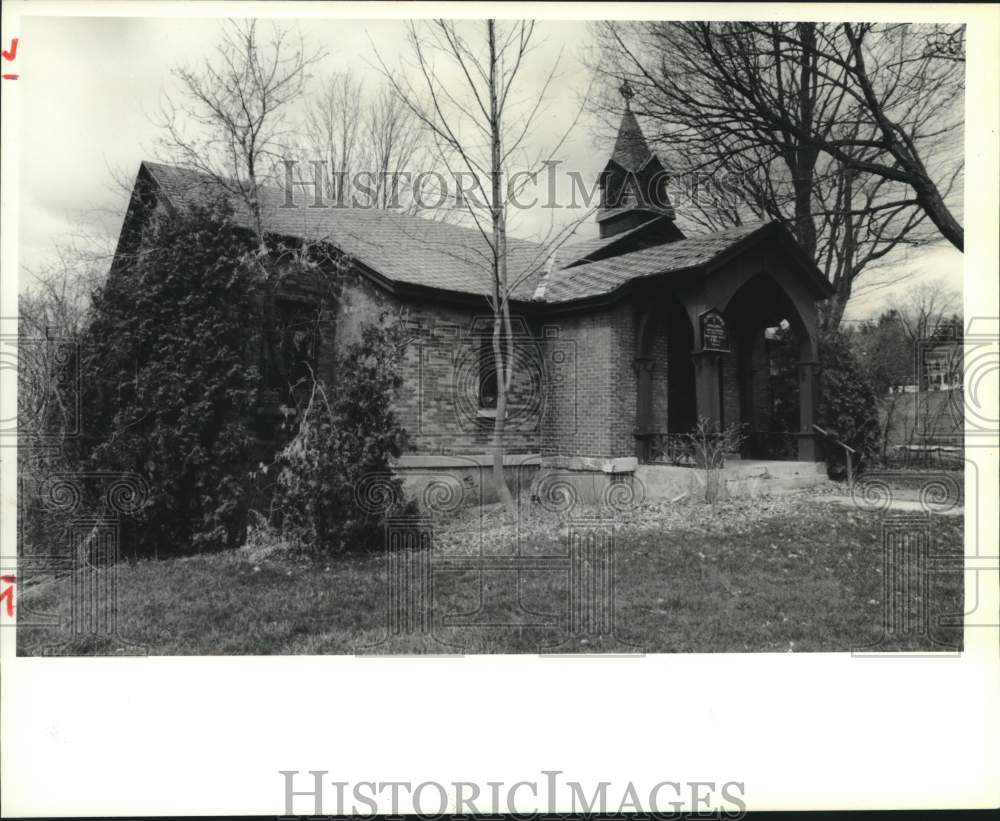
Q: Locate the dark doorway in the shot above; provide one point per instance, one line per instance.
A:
(768, 350)
(682, 409)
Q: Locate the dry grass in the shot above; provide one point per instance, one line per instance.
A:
(764, 575)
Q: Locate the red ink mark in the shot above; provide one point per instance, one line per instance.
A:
(8, 595)
(10, 55)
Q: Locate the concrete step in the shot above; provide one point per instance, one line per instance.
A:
(742, 479)
(773, 485)
(747, 468)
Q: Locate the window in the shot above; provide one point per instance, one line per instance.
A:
(294, 361)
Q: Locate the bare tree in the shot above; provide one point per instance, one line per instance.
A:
(334, 123)
(396, 145)
(53, 309)
(230, 114)
(898, 85)
(464, 90)
(779, 111)
(373, 147)
(925, 308)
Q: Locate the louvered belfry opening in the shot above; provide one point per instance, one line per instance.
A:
(634, 181)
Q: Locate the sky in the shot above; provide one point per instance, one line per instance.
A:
(90, 89)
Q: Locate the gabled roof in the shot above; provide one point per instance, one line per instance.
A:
(606, 276)
(575, 251)
(401, 248)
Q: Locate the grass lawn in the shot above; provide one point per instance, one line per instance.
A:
(766, 575)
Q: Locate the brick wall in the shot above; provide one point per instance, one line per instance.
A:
(625, 381)
(591, 393)
(438, 403)
(575, 385)
(579, 392)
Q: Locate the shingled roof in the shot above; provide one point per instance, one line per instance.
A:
(576, 250)
(421, 252)
(402, 248)
(608, 275)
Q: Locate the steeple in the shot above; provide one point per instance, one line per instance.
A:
(634, 182)
(631, 151)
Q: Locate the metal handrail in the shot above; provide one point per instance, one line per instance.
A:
(849, 452)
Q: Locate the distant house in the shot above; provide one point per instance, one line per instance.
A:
(939, 361)
(941, 365)
(622, 339)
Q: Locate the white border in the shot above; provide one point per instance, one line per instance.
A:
(201, 735)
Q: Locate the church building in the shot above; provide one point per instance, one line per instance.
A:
(622, 342)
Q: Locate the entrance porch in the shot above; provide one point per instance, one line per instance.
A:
(734, 354)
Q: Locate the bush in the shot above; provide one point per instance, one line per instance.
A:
(168, 385)
(334, 482)
(847, 408)
(708, 446)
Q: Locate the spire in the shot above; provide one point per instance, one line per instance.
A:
(633, 183)
(631, 151)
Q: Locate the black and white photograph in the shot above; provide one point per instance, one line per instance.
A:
(415, 342)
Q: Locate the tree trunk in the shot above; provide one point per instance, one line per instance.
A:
(501, 306)
(805, 154)
(904, 152)
(933, 205)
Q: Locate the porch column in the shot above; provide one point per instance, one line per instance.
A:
(807, 450)
(643, 366)
(706, 385)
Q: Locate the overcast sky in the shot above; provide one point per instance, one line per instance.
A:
(90, 88)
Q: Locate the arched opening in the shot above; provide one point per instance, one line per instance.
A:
(682, 409)
(772, 356)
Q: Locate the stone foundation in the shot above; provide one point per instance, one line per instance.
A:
(619, 483)
(447, 482)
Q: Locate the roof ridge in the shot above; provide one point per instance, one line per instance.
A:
(403, 249)
(273, 192)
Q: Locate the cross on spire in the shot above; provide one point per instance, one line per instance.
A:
(625, 89)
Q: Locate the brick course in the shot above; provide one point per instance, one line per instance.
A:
(438, 402)
(575, 387)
